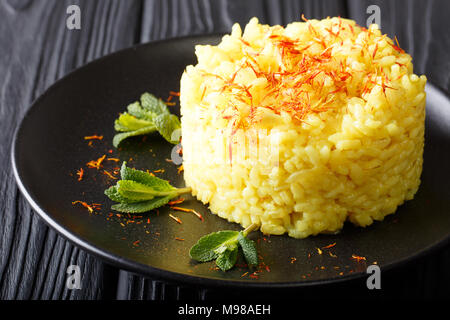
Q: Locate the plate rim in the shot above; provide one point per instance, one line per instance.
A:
(171, 276)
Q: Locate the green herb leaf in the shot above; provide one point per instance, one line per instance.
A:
(167, 124)
(118, 138)
(114, 195)
(154, 105)
(138, 191)
(224, 247)
(127, 122)
(135, 109)
(143, 177)
(142, 206)
(249, 249)
(144, 117)
(135, 190)
(207, 247)
(227, 259)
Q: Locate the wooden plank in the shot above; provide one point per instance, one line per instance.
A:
(173, 18)
(36, 50)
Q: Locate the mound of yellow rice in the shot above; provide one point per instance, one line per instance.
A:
(298, 129)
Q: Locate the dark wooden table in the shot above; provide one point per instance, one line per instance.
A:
(36, 49)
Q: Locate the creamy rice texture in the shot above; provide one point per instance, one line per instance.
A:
(299, 129)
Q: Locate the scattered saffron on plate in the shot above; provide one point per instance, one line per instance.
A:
(332, 255)
(80, 174)
(358, 258)
(329, 246)
(254, 275)
(173, 202)
(87, 206)
(93, 137)
(109, 175)
(178, 220)
(188, 210)
(96, 163)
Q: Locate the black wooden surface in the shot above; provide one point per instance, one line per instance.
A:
(36, 49)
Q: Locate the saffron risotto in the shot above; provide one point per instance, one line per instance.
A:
(301, 128)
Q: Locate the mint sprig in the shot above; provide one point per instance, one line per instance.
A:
(146, 116)
(139, 191)
(223, 246)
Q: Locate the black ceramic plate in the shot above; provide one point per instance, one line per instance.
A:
(49, 147)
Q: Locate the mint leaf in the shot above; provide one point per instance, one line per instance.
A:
(135, 109)
(127, 122)
(114, 195)
(143, 177)
(135, 190)
(227, 259)
(144, 117)
(138, 191)
(206, 249)
(152, 104)
(118, 138)
(248, 249)
(142, 206)
(223, 246)
(166, 124)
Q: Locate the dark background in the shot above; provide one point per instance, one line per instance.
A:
(36, 49)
